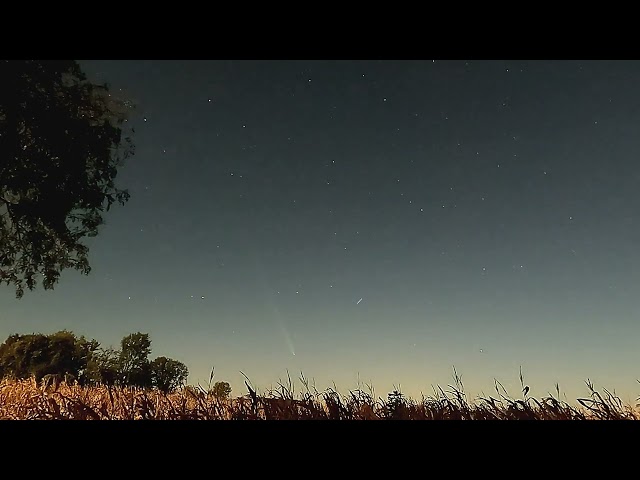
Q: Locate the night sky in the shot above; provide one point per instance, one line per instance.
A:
(372, 221)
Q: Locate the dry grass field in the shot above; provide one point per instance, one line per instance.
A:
(25, 399)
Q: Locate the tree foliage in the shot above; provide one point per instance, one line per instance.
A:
(221, 390)
(60, 353)
(104, 367)
(168, 374)
(61, 143)
(134, 360)
(63, 354)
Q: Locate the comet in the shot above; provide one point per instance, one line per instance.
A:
(274, 307)
(287, 337)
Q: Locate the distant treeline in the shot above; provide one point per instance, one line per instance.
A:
(64, 355)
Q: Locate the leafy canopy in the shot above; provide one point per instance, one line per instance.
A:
(135, 349)
(168, 374)
(61, 143)
(60, 353)
(221, 390)
(22, 356)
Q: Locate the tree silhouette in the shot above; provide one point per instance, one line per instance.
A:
(168, 374)
(396, 405)
(60, 147)
(134, 360)
(61, 353)
(103, 367)
(221, 390)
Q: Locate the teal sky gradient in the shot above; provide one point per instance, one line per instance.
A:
(478, 205)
